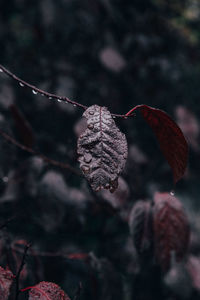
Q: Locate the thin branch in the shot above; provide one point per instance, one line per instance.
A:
(43, 157)
(36, 90)
(72, 256)
(17, 291)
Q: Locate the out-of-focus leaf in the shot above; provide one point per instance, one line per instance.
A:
(140, 223)
(47, 291)
(189, 125)
(171, 230)
(193, 266)
(112, 59)
(102, 149)
(6, 279)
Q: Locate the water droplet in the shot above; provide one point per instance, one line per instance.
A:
(42, 95)
(107, 186)
(90, 126)
(34, 92)
(74, 105)
(87, 157)
(50, 98)
(114, 117)
(172, 193)
(59, 100)
(112, 189)
(21, 84)
(1, 70)
(85, 169)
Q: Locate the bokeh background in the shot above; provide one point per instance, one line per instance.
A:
(116, 54)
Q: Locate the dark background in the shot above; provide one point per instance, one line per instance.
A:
(112, 53)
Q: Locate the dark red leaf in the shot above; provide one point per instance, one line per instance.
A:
(6, 279)
(170, 137)
(171, 230)
(46, 291)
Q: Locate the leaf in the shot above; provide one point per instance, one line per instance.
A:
(170, 137)
(6, 279)
(102, 149)
(193, 267)
(46, 291)
(171, 230)
(140, 223)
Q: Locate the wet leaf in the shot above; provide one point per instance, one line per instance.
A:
(171, 230)
(6, 279)
(47, 291)
(102, 149)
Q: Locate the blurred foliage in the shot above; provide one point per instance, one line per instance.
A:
(112, 53)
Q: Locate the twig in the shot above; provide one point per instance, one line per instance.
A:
(36, 90)
(78, 291)
(17, 291)
(43, 157)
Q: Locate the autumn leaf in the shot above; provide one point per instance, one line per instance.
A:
(170, 137)
(171, 230)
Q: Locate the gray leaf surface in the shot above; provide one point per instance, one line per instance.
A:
(102, 149)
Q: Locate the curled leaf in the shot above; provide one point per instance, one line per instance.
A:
(170, 137)
(6, 279)
(47, 291)
(102, 149)
(171, 230)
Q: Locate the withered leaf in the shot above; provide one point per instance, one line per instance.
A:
(6, 279)
(171, 230)
(47, 291)
(102, 149)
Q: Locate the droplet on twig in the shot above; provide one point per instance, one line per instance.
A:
(172, 193)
